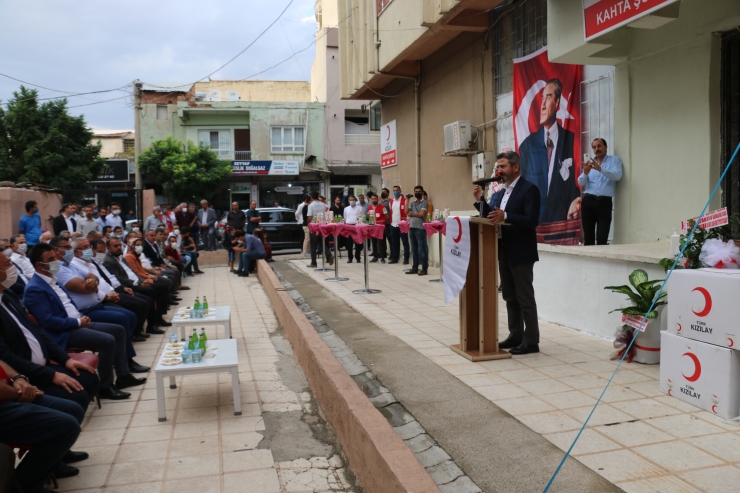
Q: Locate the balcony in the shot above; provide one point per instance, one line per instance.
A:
(362, 140)
(242, 155)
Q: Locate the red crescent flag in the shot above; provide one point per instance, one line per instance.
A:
(558, 181)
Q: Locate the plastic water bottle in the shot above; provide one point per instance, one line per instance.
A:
(675, 243)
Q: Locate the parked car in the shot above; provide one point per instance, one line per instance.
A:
(279, 222)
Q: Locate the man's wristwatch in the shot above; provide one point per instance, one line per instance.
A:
(18, 377)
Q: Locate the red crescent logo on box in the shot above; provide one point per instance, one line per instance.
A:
(679, 329)
(714, 408)
(697, 368)
(707, 302)
(730, 342)
(459, 229)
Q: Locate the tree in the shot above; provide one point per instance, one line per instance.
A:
(185, 171)
(44, 144)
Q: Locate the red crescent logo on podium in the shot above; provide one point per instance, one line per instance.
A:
(707, 302)
(697, 368)
(459, 229)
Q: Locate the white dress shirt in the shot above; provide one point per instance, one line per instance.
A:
(350, 213)
(130, 273)
(37, 355)
(204, 216)
(395, 212)
(25, 265)
(112, 220)
(68, 220)
(554, 138)
(68, 305)
(104, 288)
(114, 282)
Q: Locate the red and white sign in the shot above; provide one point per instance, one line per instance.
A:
(704, 375)
(702, 305)
(602, 16)
(456, 255)
(635, 321)
(382, 4)
(388, 145)
(709, 220)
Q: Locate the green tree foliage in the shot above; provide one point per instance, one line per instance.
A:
(44, 144)
(185, 171)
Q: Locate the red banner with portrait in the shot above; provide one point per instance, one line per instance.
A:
(547, 130)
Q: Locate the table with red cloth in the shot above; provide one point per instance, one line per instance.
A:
(436, 227)
(404, 226)
(358, 232)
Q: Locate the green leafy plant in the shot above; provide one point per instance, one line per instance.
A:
(645, 291)
(693, 249)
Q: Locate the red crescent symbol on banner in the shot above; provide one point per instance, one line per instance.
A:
(707, 302)
(669, 391)
(388, 127)
(459, 229)
(679, 327)
(731, 343)
(714, 408)
(697, 368)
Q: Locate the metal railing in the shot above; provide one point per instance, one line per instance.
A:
(362, 140)
(242, 155)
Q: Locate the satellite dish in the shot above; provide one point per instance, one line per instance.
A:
(214, 95)
(233, 96)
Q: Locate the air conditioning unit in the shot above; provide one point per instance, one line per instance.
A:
(200, 96)
(457, 136)
(482, 165)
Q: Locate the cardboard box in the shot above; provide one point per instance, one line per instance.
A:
(700, 374)
(703, 305)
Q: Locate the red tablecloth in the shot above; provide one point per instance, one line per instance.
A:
(358, 232)
(436, 227)
(314, 228)
(404, 226)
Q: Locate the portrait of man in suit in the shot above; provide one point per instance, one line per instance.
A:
(548, 161)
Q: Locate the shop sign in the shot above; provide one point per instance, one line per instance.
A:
(264, 167)
(293, 191)
(241, 187)
(602, 16)
(388, 145)
(114, 171)
(296, 189)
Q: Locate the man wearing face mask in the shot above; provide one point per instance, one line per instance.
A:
(55, 311)
(380, 212)
(19, 247)
(20, 284)
(417, 213)
(114, 218)
(397, 209)
(89, 223)
(351, 213)
(107, 295)
(155, 220)
(45, 237)
(30, 224)
(102, 214)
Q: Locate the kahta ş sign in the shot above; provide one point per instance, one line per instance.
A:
(264, 167)
(388, 145)
(602, 16)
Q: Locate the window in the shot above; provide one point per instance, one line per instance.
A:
(375, 118)
(597, 110)
(162, 113)
(518, 31)
(287, 140)
(218, 140)
(128, 145)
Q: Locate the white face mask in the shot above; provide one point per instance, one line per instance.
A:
(116, 212)
(22, 248)
(139, 249)
(135, 230)
(177, 231)
(100, 256)
(8, 252)
(11, 276)
(54, 267)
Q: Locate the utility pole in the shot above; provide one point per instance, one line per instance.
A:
(137, 142)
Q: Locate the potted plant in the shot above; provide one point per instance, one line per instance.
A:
(690, 258)
(646, 348)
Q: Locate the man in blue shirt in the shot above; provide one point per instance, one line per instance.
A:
(253, 217)
(249, 248)
(598, 180)
(30, 224)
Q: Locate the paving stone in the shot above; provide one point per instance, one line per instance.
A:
(383, 400)
(463, 484)
(445, 472)
(354, 368)
(409, 430)
(432, 456)
(319, 462)
(336, 462)
(396, 415)
(420, 443)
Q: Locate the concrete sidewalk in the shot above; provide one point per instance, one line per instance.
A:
(639, 439)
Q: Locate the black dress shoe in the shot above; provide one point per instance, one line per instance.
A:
(154, 330)
(349, 261)
(405, 262)
(135, 367)
(142, 334)
(422, 273)
(525, 348)
(137, 338)
(65, 471)
(412, 271)
(244, 274)
(373, 261)
(509, 342)
(163, 323)
(113, 394)
(72, 457)
(393, 261)
(129, 381)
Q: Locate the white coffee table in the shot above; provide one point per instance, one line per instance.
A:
(226, 360)
(221, 317)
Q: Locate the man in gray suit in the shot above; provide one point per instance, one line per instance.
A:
(155, 220)
(207, 220)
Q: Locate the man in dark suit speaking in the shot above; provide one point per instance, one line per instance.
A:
(518, 205)
(547, 160)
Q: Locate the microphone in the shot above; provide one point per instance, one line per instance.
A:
(486, 181)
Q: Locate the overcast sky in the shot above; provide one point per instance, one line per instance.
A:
(84, 45)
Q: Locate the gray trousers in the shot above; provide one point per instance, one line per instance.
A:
(518, 293)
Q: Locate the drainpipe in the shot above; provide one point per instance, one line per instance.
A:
(417, 81)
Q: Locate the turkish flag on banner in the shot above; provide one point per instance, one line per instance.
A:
(547, 134)
(456, 255)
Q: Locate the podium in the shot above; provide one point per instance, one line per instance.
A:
(479, 296)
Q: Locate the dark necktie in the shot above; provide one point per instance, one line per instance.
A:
(550, 148)
(102, 274)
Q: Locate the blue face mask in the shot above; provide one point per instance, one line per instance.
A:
(69, 255)
(396, 193)
(87, 254)
(36, 210)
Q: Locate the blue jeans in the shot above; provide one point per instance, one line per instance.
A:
(118, 316)
(193, 263)
(396, 239)
(247, 259)
(419, 248)
(51, 425)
